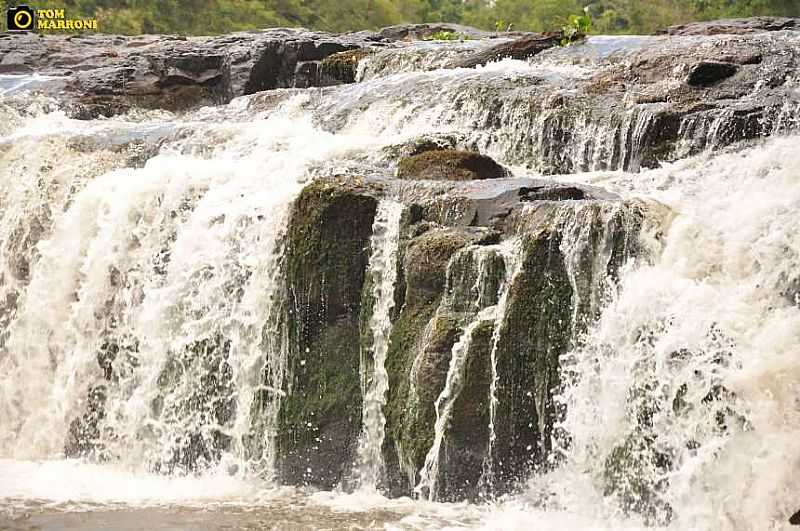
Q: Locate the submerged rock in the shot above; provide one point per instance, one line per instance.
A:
(449, 165)
(84, 435)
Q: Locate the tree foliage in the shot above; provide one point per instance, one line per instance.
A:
(199, 17)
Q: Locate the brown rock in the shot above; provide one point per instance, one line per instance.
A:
(449, 165)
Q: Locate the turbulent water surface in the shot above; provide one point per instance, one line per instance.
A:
(157, 234)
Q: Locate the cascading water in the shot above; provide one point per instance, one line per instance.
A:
(383, 268)
(144, 302)
(484, 311)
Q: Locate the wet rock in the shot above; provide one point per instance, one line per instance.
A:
(426, 260)
(535, 334)
(522, 48)
(327, 250)
(441, 272)
(550, 303)
(553, 193)
(795, 518)
(342, 67)
(734, 26)
(709, 72)
(84, 435)
(486, 203)
(422, 339)
(449, 165)
(306, 74)
(109, 74)
(466, 445)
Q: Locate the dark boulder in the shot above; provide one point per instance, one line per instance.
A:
(449, 165)
(522, 48)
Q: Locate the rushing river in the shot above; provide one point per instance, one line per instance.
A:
(135, 230)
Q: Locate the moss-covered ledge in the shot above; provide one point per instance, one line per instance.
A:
(327, 251)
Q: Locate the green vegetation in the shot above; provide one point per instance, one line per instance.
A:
(198, 17)
(576, 28)
(447, 36)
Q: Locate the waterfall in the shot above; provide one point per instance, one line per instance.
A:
(142, 304)
(513, 266)
(691, 366)
(481, 313)
(241, 311)
(383, 270)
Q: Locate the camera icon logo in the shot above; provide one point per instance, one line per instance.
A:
(20, 18)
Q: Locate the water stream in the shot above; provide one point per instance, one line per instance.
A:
(383, 267)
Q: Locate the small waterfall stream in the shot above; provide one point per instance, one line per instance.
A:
(491, 311)
(383, 269)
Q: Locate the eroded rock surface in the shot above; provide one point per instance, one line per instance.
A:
(734, 26)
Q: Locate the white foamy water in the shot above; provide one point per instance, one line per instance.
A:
(383, 268)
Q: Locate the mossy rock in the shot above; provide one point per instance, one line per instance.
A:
(434, 359)
(466, 441)
(426, 252)
(342, 67)
(327, 251)
(426, 260)
(449, 165)
(535, 333)
(428, 326)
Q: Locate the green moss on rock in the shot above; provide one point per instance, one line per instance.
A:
(449, 165)
(342, 67)
(409, 418)
(426, 263)
(535, 333)
(327, 251)
(466, 441)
